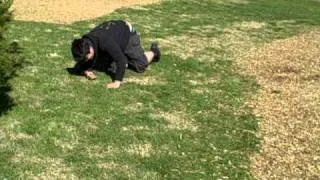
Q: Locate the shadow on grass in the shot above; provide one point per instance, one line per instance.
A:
(11, 62)
(6, 101)
(102, 65)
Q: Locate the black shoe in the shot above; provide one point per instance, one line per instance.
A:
(155, 49)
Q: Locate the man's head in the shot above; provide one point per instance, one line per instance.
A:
(81, 50)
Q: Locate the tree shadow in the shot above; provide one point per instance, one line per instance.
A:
(6, 101)
(14, 61)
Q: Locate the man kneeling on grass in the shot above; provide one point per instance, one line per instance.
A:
(117, 43)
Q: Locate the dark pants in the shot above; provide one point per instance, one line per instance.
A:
(135, 54)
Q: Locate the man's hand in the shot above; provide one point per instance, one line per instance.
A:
(90, 75)
(114, 85)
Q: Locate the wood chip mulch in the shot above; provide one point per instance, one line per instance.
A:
(68, 11)
(289, 106)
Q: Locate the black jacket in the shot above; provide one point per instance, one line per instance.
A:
(109, 40)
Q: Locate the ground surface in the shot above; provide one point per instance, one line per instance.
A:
(61, 11)
(289, 104)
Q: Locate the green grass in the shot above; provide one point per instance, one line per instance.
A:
(191, 123)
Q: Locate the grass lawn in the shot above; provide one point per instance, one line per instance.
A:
(184, 118)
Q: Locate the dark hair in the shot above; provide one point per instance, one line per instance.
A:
(79, 49)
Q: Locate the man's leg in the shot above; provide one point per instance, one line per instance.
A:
(138, 59)
(141, 62)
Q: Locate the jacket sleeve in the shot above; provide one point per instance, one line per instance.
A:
(82, 66)
(114, 50)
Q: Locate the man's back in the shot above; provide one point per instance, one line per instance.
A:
(116, 31)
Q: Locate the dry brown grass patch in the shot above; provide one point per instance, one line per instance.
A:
(235, 40)
(112, 166)
(101, 152)
(146, 80)
(178, 120)
(210, 80)
(66, 145)
(232, 1)
(246, 25)
(143, 150)
(289, 71)
(134, 107)
(55, 168)
(36, 101)
(18, 136)
(200, 90)
(136, 128)
(186, 47)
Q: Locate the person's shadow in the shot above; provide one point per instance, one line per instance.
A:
(101, 65)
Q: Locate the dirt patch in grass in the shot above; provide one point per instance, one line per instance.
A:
(61, 11)
(289, 104)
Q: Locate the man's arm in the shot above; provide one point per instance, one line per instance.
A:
(81, 67)
(120, 59)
